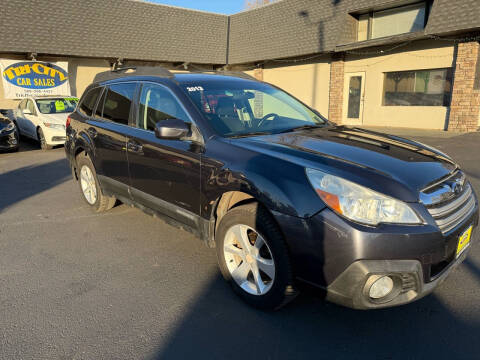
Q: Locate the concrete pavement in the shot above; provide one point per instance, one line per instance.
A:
(123, 285)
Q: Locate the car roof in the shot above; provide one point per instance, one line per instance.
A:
(156, 72)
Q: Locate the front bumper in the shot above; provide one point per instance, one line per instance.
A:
(352, 286)
(54, 136)
(339, 256)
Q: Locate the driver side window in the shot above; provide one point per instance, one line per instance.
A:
(157, 104)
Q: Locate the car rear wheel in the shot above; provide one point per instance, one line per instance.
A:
(91, 191)
(253, 257)
(43, 141)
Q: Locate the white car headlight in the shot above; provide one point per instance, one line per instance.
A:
(359, 203)
(54, 126)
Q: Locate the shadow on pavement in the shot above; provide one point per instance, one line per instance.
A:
(220, 326)
(27, 181)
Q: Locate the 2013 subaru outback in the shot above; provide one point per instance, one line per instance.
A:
(281, 193)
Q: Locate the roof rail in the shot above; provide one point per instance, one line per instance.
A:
(133, 71)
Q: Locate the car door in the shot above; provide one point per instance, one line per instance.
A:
(30, 119)
(165, 174)
(108, 128)
(19, 117)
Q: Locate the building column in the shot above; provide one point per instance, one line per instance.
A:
(335, 104)
(258, 102)
(465, 104)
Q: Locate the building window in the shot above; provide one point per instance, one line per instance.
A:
(400, 20)
(418, 88)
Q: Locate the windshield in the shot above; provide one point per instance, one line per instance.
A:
(240, 108)
(57, 106)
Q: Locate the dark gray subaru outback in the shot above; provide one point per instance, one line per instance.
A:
(284, 195)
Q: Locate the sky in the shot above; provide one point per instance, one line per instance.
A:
(218, 6)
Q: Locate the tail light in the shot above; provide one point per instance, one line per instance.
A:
(67, 124)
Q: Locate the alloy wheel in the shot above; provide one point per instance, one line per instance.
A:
(249, 259)
(89, 188)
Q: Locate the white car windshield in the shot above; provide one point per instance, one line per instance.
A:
(56, 105)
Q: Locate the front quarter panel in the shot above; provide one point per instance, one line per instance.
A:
(280, 185)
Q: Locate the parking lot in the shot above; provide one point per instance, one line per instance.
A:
(123, 285)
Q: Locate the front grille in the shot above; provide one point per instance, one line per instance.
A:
(450, 202)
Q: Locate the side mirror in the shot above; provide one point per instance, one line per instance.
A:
(174, 129)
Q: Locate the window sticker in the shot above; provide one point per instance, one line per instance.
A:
(194, 88)
(59, 105)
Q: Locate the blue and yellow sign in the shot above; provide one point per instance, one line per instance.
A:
(35, 75)
(27, 78)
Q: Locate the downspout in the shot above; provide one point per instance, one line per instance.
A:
(228, 41)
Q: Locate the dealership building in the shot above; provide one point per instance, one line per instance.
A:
(395, 63)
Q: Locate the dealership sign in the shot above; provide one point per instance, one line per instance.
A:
(34, 78)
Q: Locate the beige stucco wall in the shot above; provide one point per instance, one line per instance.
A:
(83, 71)
(422, 55)
(308, 82)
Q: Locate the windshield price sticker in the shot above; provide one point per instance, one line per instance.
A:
(59, 105)
(194, 88)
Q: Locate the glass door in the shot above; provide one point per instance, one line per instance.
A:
(353, 98)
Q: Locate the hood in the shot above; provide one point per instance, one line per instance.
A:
(4, 122)
(389, 164)
(55, 118)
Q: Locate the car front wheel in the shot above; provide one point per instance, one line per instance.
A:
(43, 141)
(253, 257)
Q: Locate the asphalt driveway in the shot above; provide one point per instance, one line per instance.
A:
(123, 285)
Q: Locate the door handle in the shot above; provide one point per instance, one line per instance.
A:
(134, 147)
(92, 132)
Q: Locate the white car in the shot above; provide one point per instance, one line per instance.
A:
(44, 118)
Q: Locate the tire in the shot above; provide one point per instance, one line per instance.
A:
(43, 141)
(100, 202)
(272, 292)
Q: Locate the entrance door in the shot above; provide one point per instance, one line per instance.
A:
(353, 98)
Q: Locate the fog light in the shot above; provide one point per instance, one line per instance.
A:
(381, 287)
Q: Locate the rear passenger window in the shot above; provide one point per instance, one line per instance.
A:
(99, 110)
(118, 101)
(88, 102)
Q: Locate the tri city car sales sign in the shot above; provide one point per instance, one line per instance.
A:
(34, 78)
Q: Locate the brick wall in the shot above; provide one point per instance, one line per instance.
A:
(465, 106)
(335, 112)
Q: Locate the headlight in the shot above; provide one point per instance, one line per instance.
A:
(359, 203)
(10, 126)
(54, 126)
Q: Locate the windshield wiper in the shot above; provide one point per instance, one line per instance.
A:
(250, 134)
(303, 127)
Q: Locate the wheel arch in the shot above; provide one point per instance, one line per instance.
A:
(227, 201)
(82, 145)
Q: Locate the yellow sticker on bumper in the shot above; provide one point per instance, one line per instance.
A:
(464, 240)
